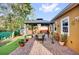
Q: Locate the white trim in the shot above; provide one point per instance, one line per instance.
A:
(68, 25)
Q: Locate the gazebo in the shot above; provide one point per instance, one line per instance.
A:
(39, 22)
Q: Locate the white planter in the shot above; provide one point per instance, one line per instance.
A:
(61, 43)
(29, 37)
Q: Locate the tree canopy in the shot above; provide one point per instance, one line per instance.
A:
(22, 9)
(16, 17)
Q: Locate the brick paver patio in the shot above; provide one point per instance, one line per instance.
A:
(23, 50)
(34, 47)
(39, 49)
(57, 49)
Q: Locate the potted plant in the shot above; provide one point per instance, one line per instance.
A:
(63, 39)
(52, 37)
(21, 43)
(26, 38)
(56, 36)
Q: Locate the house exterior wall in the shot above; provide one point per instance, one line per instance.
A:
(73, 38)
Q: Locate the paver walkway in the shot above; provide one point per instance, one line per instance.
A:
(57, 49)
(34, 47)
(39, 49)
(23, 50)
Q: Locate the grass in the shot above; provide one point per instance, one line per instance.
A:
(8, 48)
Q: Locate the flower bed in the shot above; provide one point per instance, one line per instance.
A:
(4, 42)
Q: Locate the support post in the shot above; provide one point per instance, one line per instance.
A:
(48, 30)
(32, 30)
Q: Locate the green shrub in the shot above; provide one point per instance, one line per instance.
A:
(63, 37)
(4, 35)
(21, 41)
(17, 33)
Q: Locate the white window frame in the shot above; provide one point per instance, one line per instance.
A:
(66, 18)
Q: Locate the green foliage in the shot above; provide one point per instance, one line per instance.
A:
(63, 37)
(6, 49)
(17, 33)
(5, 34)
(22, 9)
(15, 20)
(21, 41)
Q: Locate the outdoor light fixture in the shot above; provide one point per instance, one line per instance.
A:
(77, 18)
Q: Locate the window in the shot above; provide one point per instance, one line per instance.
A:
(54, 26)
(65, 26)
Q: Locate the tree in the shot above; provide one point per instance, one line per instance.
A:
(15, 15)
(22, 9)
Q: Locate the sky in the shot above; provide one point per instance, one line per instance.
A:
(47, 11)
(4, 9)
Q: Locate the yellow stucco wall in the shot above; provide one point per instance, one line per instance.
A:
(73, 39)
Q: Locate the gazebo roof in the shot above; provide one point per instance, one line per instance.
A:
(37, 22)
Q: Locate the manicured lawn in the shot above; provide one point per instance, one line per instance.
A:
(8, 48)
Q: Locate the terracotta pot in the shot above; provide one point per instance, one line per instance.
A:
(27, 40)
(57, 37)
(22, 45)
